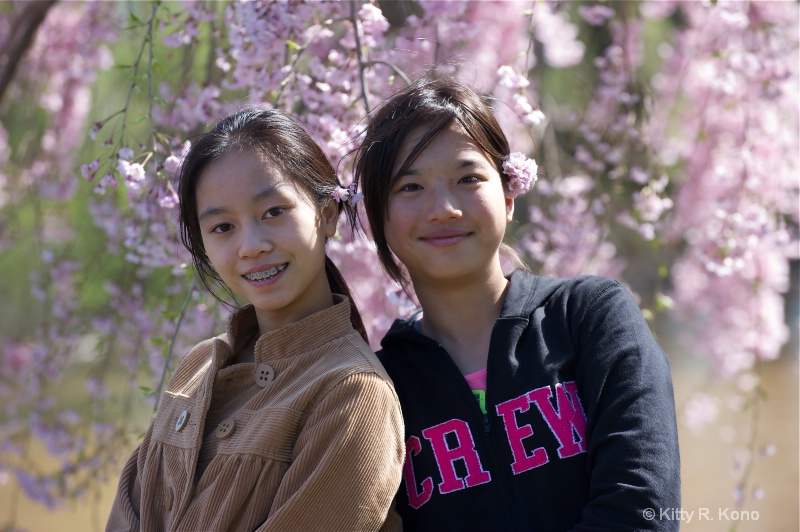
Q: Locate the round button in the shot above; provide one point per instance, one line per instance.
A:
(170, 499)
(265, 374)
(224, 429)
(182, 419)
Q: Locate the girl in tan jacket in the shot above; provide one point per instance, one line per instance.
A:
(287, 421)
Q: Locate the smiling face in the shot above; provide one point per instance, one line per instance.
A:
(447, 213)
(265, 237)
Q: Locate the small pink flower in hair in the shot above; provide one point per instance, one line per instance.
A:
(348, 194)
(521, 172)
(340, 194)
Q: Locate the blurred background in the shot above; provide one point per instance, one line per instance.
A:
(667, 139)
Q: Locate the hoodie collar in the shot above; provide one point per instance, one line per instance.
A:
(525, 293)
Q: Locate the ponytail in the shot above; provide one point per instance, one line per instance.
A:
(339, 286)
(511, 260)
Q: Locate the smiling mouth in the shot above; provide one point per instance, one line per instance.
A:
(266, 274)
(445, 239)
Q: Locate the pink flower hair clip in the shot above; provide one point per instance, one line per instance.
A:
(521, 172)
(348, 194)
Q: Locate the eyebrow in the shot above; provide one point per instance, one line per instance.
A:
(462, 163)
(212, 211)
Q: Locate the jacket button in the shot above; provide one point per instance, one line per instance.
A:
(224, 429)
(265, 374)
(182, 419)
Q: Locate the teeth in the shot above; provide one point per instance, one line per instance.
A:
(260, 276)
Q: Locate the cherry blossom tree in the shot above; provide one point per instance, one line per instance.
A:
(662, 129)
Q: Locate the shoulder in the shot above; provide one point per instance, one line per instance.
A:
(606, 321)
(349, 358)
(599, 296)
(586, 288)
(347, 375)
(572, 295)
(585, 293)
(594, 301)
(401, 337)
(580, 292)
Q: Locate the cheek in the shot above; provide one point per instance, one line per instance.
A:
(489, 206)
(396, 214)
(218, 250)
(399, 212)
(215, 257)
(305, 229)
(390, 233)
(496, 201)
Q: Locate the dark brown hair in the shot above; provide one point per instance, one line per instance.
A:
(283, 141)
(435, 101)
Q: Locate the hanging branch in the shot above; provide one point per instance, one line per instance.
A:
(394, 68)
(361, 66)
(172, 341)
(299, 52)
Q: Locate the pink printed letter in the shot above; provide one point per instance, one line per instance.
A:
(446, 457)
(515, 433)
(568, 420)
(415, 499)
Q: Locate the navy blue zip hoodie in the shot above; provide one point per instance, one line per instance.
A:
(580, 431)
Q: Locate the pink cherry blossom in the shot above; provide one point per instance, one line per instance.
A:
(521, 173)
(596, 14)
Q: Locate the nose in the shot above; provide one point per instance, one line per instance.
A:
(442, 205)
(254, 240)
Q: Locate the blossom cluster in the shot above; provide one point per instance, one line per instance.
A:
(737, 139)
(734, 135)
(521, 173)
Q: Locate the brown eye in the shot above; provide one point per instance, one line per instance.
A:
(273, 212)
(222, 228)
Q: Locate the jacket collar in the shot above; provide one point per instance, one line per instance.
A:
(295, 338)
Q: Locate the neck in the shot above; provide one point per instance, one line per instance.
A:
(315, 297)
(461, 315)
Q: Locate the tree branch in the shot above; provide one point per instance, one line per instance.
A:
(394, 68)
(23, 30)
(359, 56)
(172, 341)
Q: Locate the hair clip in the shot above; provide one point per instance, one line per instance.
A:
(348, 194)
(521, 172)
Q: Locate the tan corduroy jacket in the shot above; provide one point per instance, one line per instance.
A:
(309, 437)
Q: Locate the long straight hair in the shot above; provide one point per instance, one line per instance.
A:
(275, 136)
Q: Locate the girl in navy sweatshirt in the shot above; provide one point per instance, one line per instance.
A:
(530, 403)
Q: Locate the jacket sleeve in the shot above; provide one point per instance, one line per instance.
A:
(127, 502)
(347, 462)
(632, 437)
(393, 521)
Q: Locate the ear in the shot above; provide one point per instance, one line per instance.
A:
(509, 209)
(330, 218)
